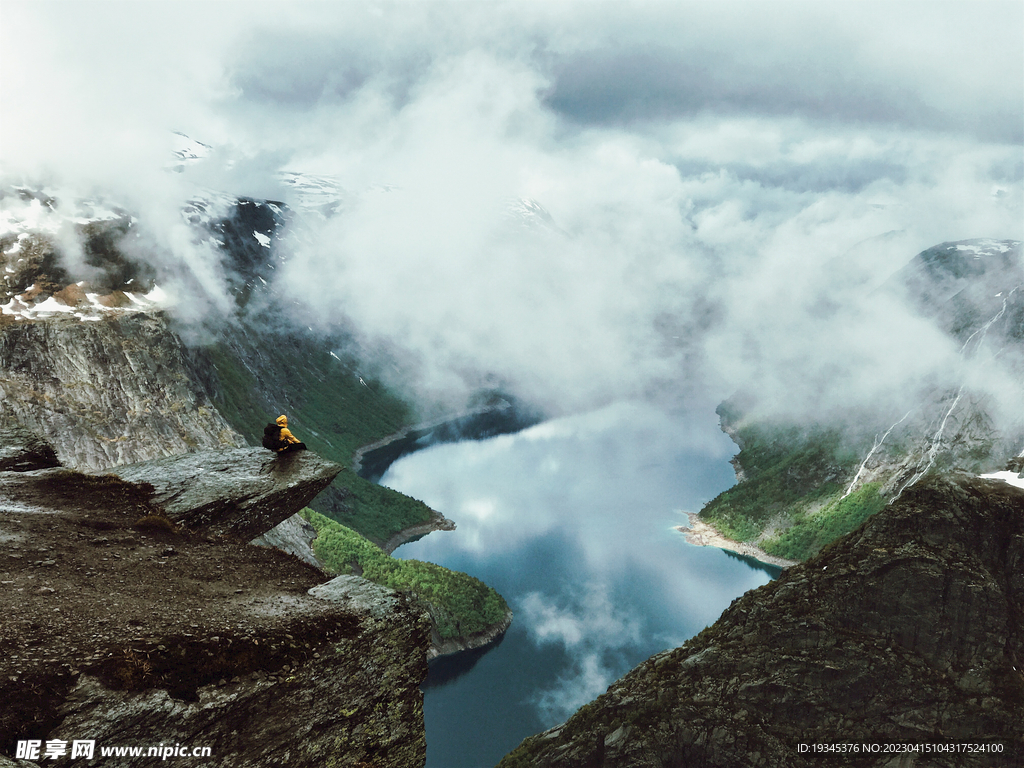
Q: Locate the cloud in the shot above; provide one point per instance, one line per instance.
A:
(838, 63)
(699, 174)
(591, 618)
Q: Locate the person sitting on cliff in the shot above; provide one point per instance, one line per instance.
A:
(278, 438)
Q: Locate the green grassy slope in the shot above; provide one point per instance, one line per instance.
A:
(462, 604)
(252, 378)
(791, 501)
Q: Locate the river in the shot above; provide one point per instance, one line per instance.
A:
(572, 521)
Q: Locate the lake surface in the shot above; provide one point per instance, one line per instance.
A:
(572, 522)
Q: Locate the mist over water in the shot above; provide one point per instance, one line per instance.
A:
(572, 522)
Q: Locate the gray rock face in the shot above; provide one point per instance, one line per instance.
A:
(294, 536)
(243, 492)
(358, 595)
(23, 451)
(907, 631)
(105, 393)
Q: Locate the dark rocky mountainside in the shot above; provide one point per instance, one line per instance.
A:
(128, 628)
(910, 630)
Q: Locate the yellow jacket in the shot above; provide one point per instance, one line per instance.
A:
(286, 436)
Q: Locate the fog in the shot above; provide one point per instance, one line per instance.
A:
(714, 191)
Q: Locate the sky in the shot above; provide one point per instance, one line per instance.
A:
(581, 202)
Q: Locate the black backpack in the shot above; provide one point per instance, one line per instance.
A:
(272, 436)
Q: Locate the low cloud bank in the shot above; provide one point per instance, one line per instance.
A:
(580, 204)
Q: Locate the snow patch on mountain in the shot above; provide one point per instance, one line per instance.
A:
(1006, 476)
(986, 247)
(85, 305)
(187, 150)
(26, 210)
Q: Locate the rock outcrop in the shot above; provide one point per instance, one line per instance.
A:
(243, 492)
(23, 451)
(124, 627)
(342, 690)
(908, 631)
(106, 392)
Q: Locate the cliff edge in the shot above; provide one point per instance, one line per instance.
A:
(137, 614)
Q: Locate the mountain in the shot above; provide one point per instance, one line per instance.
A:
(899, 638)
(900, 644)
(800, 485)
(128, 485)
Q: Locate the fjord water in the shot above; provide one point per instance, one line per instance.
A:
(572, 521)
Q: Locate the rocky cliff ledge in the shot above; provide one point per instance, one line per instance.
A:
(908, 631)
(243, 492)
(128, 628)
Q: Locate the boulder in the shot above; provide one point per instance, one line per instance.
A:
(357, 595)
(21, 450)
(242, 492)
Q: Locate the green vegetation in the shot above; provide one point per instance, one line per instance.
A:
(787, 470)
(329, 406)
(460, 604)
(790, 502)
(811, 532)
(373, 510)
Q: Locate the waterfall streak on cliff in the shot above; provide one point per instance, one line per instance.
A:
(934, 448)
(875, 447)
(984, 329)
(964, 354)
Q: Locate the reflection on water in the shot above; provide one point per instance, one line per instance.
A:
(448, 669)
(774, 571)
(573, 522)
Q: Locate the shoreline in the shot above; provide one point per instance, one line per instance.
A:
(357, 458)
(702, 534)
(439, 647)
(452, 646)
(437, 522)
